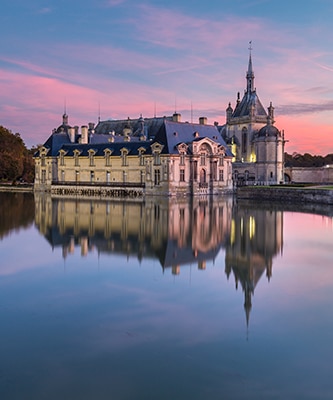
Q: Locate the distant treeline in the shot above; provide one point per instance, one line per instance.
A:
(307, 160)
(16, 161)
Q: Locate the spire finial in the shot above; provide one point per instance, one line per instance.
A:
(250, 74)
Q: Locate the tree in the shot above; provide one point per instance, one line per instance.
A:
(16, 160)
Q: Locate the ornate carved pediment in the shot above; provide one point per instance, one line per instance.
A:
(156, 147)
(182, 148)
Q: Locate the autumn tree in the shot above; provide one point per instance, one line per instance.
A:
(16, 160)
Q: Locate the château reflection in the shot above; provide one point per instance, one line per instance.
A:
(174, 232)
(256, 237)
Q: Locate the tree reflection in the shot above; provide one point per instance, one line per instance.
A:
(16, 211)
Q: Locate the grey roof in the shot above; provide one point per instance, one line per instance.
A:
(244, 107)
(166, 132)
(268, 130)
(139, 126)
(54, 143)
(173, 133)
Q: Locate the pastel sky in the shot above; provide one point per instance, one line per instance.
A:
(123, 58)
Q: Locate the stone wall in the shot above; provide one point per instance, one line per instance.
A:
(285, 194)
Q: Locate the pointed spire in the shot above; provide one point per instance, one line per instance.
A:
(250, 73)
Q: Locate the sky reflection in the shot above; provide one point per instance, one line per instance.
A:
(154, 312)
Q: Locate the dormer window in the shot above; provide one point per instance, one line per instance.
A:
(124, 154)
(141, 153)
(62, 157)
(76, 158)
(91, 155)
(107, 155)
(156, 150)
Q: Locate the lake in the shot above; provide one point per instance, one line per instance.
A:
(164, 299)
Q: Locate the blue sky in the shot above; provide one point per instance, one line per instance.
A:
(124, 58)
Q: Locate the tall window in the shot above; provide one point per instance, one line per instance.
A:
(244, 140)
(42, 160)
(182, 159)
(195, 170)
(214, 172)
(157, 158)
(221, 175)
(202, 159)
(221, 159)
(182, 175)
(157, 176)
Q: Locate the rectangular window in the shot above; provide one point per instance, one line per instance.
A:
(42, 160)
(43, 176)
(182, 175)
(157, 175)
(91, 160)
(195, 171)
(107, 160)
(221, 175)
(182, 159)
(157, 159)
(221, 161)
(203, 159)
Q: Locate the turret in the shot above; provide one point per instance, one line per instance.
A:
(229, 112)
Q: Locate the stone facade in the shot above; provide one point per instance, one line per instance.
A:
(180, 159)
(257, 145)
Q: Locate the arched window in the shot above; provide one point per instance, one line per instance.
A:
(203, 176)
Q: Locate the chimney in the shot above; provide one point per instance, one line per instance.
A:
(84, 134)
(176, 117)
(71, 133)
(203, 120)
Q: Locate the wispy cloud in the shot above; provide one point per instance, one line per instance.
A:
(45, 10)
(114, 3)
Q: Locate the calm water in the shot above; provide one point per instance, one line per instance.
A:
(164, 300)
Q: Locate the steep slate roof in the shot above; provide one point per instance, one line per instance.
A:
(173, 133)
(54, 143)
(139, 126)
(244, 107)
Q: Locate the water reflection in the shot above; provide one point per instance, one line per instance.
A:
(16, 211)
(176, 233)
